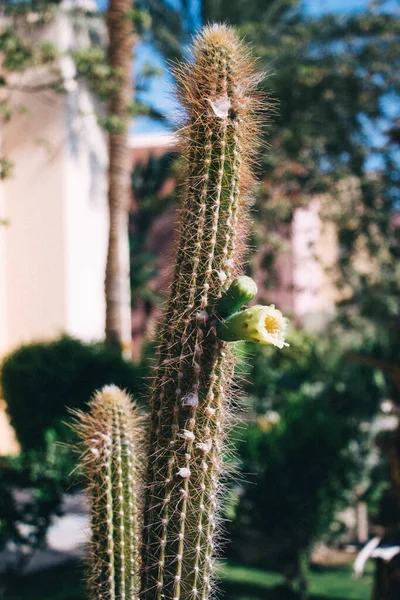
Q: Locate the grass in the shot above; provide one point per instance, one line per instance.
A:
(238, 583)
(325, 583)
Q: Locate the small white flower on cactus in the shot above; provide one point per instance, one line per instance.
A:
(205, 447)
(222, 276)
(201, 315)
(190, 399)
(209, 411)
(188, 435)
(184, 472)
(221, 106)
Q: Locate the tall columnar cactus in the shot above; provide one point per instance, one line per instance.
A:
(111, 437)
(192, 393)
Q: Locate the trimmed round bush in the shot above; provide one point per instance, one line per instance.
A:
(41, 381)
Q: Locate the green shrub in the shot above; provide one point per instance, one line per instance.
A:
(31, 488)
(41, 381)
(304, 471)
(31, 496)
(304, 449)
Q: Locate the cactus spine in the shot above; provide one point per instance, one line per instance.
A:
(110, 435)
(191, 391)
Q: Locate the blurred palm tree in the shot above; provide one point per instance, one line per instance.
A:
(164, 27)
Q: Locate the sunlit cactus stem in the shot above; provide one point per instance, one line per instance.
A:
(110, 433)
(192, 393)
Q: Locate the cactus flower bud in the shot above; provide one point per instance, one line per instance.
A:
(262, 324)
(242, 290)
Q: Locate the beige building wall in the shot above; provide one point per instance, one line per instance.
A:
(34, 240)
(85, 214)
(53, 250)
(3, 319)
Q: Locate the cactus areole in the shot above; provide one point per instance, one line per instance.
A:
(191, 391)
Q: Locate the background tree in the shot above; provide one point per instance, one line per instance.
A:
(336, 78)
(165, 34)
(117, 289)
(303, 452)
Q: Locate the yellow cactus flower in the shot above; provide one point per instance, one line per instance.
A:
(261, 324)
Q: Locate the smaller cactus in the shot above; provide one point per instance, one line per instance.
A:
(110, 434)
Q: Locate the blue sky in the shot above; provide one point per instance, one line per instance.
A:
(319, 7)
(159, 91)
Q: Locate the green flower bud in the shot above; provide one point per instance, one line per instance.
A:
(262, 324)
(242, 290)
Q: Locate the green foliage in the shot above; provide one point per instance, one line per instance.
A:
(42, 9)
(91, 65)
(114, 124)
(32, 485)
(304, 470)
(48, 52)
(31, 491)
(274, 374)
(337, 80)
(327, 72)
(141, 21)
(162, 24)
(150, 204)
(369, 274)
(40, 381)
(306, 443)
(18, 54)
(6, 168)
(237, 583)
(331, 582)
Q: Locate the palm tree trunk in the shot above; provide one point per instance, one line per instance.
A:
(117, 279)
